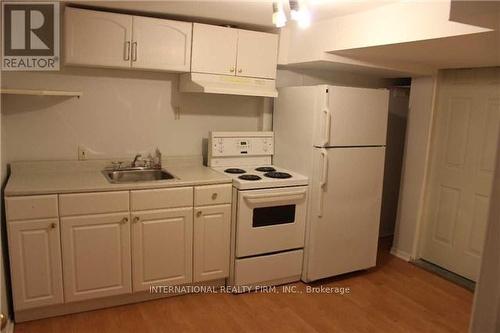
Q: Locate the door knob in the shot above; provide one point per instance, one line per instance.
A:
(124, 220)
(231, 69)
(3, 321)
(136, 219)
(214, 196)
(240, 70)
(198, 214)
(53, 225)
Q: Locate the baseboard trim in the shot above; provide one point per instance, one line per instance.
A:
(10, 326)
(105, 302)
(401, 254)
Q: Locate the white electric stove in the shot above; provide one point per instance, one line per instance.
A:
(269, 210)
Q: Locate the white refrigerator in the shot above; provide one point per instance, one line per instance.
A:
(336, 136)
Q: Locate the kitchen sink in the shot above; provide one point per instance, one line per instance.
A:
(134, 175)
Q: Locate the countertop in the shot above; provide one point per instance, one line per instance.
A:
(51, 177)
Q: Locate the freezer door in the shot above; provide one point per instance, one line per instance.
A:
(352, 117)
(344, 214)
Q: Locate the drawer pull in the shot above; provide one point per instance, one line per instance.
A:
(214, 196)
(198, 214)
(53, 225)
(124, 220)
(136, 219)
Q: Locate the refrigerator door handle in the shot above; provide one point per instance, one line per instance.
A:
(324, 178)
(327, 124)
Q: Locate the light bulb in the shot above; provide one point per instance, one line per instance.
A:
(279, 17)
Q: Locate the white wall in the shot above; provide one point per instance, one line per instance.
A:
(415, 162)
(486, 310)
(120, 113)
(4, 304)
(396, 131)
(298, 77)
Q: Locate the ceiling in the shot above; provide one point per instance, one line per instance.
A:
(244, 13)
(465, 51)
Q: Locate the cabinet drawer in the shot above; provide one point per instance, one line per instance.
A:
(269, 268)
(161, 198)
(31, 207)
(212, 194)
(93, 203)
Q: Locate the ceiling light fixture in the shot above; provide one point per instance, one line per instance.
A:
(299, 12)
(279, 16)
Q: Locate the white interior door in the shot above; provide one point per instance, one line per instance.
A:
(352, 117)
(461, 171)
(345, 212)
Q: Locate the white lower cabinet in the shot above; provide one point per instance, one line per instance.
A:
(96, 256)
(35, 259)
(75, 247)
(162, 247)
(212, 232)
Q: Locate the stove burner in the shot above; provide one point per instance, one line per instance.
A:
(249, 177)
(276, 174)
(265, 169)
(234, 170)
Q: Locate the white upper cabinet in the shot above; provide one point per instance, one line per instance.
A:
(214, 49)
(221, 50)
(257, 54)
(95, 38)
(101, 39)
(161, 44)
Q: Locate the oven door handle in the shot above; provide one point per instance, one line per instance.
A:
(270, 198)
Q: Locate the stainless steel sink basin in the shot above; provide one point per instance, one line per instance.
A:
(134, 175)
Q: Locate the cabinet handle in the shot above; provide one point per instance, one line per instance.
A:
(127, 51)
(214, 196)
(198, 214)
(231, 69)
(240, 70)
(53, 225)
(134, 51)
(124, 220)
(136, 219)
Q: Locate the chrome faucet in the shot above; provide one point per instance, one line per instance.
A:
(134, 162)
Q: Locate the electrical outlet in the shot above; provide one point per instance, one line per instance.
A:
(82, 153)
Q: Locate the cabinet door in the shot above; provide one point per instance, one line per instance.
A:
(97, 38)
(214, 49)
(35, 255)
(162, 247)
(212, 232)
(161, 44)
(96, 256)
(257, 54)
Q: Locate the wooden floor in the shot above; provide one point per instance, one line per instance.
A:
(394, 297)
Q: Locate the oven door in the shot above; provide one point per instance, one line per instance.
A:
(270, 220)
